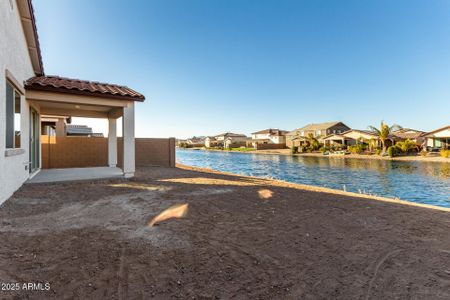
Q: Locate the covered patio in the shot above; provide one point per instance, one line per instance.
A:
(75, 174)
(338, 139)
(58, 96)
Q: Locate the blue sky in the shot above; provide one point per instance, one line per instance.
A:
(212, 66)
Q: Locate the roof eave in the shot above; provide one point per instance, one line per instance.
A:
(28, 21)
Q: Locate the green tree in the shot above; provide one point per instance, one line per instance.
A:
(313, 142)
(384, 132)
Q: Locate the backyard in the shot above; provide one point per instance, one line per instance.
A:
(230, 237)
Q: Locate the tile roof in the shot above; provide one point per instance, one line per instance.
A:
(230, 134)
(319, 126)
(271, 131)
(83, 87)
(406, 133)
(78, 129)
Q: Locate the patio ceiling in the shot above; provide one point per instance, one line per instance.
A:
(63, 104)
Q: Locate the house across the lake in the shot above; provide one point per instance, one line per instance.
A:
(230, 140)
(414, 135)
(210, 142)
(274, 137)
(319, 131)
(196, 141)
(438, 139)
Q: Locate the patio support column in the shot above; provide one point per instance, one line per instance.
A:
(112, 142)
(128, 140)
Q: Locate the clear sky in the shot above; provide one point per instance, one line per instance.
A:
(209, 66)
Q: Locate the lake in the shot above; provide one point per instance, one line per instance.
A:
(422, 182)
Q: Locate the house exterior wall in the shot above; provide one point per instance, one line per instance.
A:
(356, 135)
(443, 133)
(210, 142)
(275, 139)
(15, 58)
(439, 139)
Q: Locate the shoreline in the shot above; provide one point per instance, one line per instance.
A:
(287, 152)
(317, 189)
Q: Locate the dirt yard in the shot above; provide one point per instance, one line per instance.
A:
(236, 237)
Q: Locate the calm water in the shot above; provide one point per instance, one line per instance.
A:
(413, 181)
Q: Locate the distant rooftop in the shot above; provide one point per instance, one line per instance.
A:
(272, 131)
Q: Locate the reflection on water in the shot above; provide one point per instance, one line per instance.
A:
(424, 182)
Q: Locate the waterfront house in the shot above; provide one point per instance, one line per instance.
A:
(232, 142)
(338, 140)
(26, 93)
(210, 142)
(368, 138)
(232, 137)
(414, 135)
(319, 131)
(275, 137)
(196, 141)
(438, 139)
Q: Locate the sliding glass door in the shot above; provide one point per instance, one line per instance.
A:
(34, 140)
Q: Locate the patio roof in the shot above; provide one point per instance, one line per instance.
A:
(82, 87)
(79, 98)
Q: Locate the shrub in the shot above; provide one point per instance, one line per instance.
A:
(378, 151)
(294, 150)
(302, 149)
(324, 149)
(445, 153)
(406, 146)
(392, 151)
(356, 149)
(424, 152)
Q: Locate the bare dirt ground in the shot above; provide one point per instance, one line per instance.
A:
(238, 238)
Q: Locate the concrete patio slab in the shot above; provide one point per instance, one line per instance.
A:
(70, 174)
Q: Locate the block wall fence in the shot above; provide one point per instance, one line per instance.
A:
(80, 152)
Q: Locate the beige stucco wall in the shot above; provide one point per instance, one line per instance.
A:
(442, 133)
(15, 58)
(276, 139)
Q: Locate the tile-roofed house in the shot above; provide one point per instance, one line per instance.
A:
(230, 138)
(269, 136)
(29, 94)
(411, 134)
(222, 136)
(271, 131)
(318, 130)
(438, 139)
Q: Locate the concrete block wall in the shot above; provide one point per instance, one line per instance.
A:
(270, 146)
(80, 152)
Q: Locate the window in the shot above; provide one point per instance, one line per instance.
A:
(13, 109)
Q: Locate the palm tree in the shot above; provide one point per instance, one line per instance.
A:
(384, 132)
(312, 142)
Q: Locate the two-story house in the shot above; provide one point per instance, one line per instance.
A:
(319, 131)
(269, 136)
